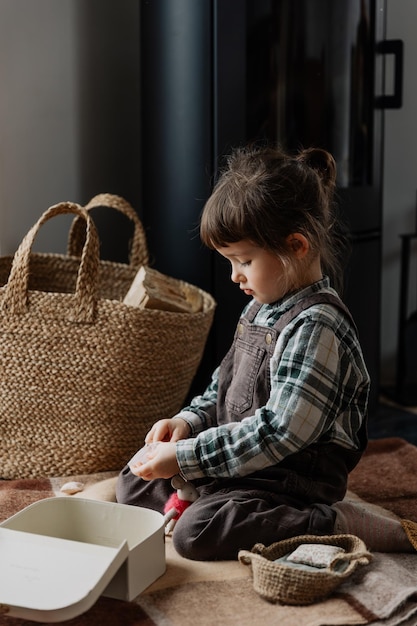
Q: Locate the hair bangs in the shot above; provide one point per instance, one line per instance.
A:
(224, 218)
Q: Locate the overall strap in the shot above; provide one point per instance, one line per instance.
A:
(252, 312)
(309, 301)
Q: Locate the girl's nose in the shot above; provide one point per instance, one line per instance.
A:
(237, 277)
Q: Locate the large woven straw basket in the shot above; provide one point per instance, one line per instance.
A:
(279, 581)
(83, 375)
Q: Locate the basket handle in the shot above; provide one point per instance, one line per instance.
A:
(362, 558)
(359, 558)
(245, 557)
(138, 249)
(15, 299)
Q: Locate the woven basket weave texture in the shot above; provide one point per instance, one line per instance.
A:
(280, 582)
(84, 376)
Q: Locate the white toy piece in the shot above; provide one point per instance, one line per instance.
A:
(72, 487)
(141, 457)
(180, 500)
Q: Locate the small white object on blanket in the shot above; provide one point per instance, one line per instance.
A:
(72, 487)
(314, 554)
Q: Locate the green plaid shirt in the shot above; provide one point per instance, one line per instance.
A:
(319, 392)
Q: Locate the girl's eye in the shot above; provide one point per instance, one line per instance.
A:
(244, 263)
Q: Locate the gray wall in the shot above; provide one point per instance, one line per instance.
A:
(400, 180)
(69, 109)
(69, 113)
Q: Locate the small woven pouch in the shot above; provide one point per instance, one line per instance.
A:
(282, 581)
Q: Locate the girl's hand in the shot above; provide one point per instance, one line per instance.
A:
(160, 463)
(172, 429)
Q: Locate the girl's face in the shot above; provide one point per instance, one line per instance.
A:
(259, 272)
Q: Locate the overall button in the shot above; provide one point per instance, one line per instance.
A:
(268, 338)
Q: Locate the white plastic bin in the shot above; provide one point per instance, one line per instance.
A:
(60, 554)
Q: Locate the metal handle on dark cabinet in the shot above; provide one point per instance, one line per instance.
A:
(395, 47)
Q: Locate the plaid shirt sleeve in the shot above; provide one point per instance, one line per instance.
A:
(201, 413)
(319, 387)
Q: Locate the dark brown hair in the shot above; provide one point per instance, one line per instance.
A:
(265, 194)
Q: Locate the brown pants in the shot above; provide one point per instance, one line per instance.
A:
(229, 515)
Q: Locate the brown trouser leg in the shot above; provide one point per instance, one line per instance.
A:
(225, 520)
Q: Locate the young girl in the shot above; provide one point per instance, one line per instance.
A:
(270, 443)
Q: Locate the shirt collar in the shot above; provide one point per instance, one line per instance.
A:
(289, 300)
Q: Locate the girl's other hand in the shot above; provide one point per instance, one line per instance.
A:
(172, 430)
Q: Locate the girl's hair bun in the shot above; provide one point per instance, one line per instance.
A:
(322, 162)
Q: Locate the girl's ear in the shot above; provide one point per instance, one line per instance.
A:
(298, 245)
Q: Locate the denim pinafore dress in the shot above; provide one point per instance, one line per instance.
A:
(319, 472)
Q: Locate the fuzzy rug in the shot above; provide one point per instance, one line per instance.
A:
(207, 593)
(387, 476)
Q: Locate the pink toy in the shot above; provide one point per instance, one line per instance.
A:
(180, 500)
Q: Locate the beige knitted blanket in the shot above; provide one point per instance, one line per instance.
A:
(221, 593)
